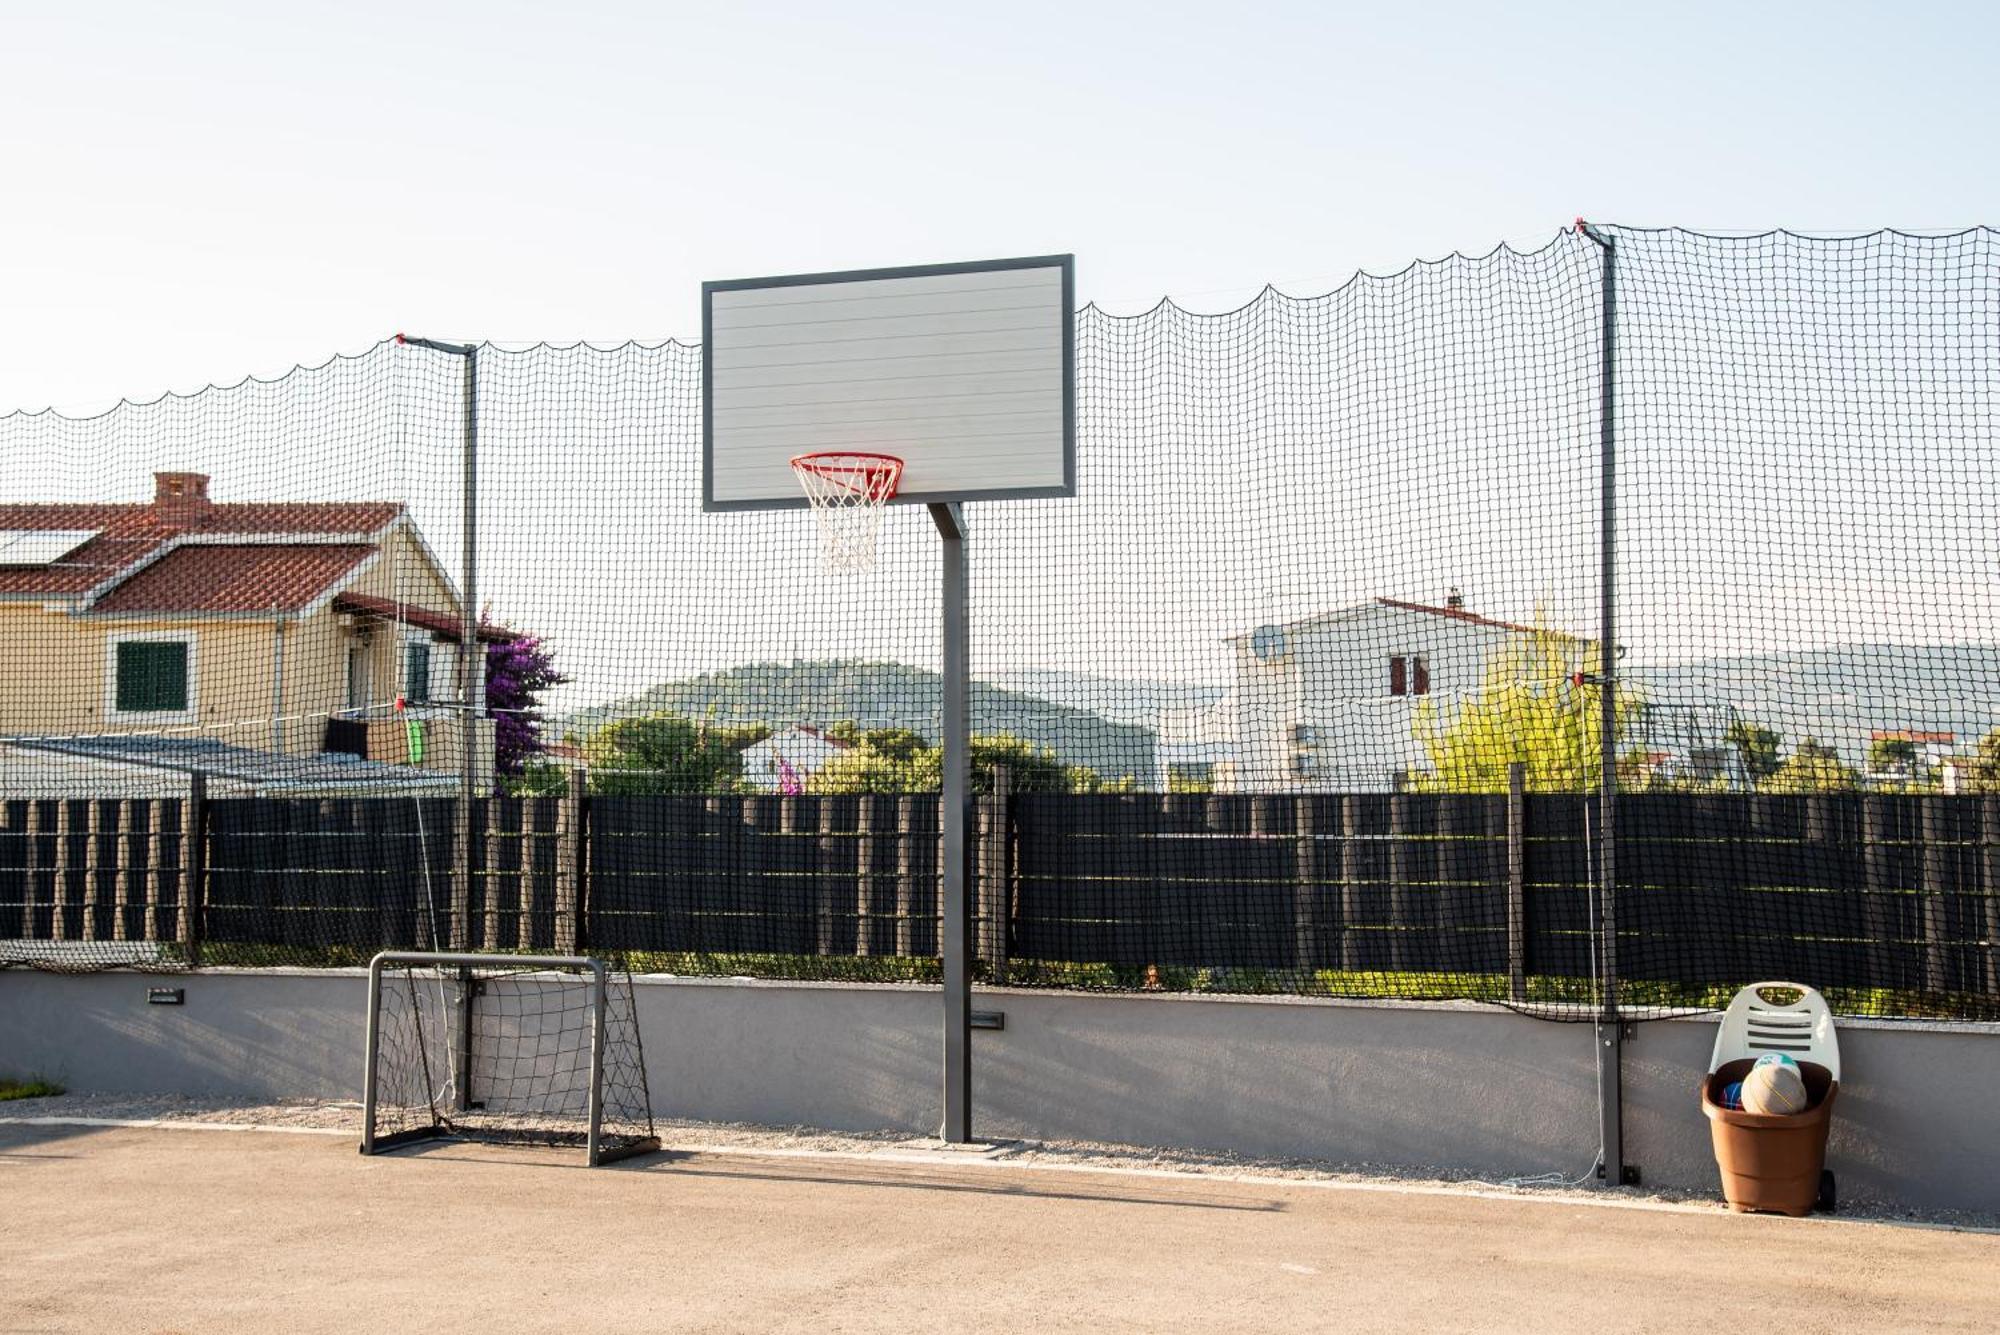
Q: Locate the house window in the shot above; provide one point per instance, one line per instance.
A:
(417, 672)
(152, 675)
(1409, 674)
(357, 675)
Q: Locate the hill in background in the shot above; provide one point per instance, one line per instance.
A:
(1843, 694)
(1131, 700)
(1839, 695)
(883, 695)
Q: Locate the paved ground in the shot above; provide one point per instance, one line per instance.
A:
(198, 1231)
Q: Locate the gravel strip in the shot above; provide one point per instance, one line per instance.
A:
(341, 1115)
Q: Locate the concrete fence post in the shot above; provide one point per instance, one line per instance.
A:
(993, 886)
(194, 866)
(1517, 881)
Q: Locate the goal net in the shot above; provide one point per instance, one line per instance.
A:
(512, 1049)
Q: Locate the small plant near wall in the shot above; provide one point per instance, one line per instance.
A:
(28, 1087)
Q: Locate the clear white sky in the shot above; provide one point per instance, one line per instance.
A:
(199, 190)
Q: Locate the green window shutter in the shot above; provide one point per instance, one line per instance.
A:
(416, 673)
(152, 676)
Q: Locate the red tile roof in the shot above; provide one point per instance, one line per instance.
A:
(1460, 614)
(129, 533)
(442, 624)
(1920, 738)
(810, 731)
(250, 577)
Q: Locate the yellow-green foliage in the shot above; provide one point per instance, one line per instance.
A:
(1812, 768)
(1983, 775)
(29, 1088)
(895, 760)
(1527, 710)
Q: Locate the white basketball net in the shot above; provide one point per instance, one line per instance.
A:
(848, 492)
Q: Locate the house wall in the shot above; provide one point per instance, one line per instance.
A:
(1267, 706)
(1334, 680)
(405, 575)
(807, 753)
(1198, 739)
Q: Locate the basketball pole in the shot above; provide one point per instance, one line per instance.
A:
(955, 736)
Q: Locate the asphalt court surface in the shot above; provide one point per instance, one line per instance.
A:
(165, 1231)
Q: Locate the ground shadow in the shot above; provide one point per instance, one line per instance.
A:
(822, 1172)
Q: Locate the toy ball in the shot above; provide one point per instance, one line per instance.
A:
(1774, 1086)
(1732, 1095)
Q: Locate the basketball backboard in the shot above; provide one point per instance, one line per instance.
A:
(966, 372)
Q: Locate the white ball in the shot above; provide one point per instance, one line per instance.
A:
(1774, 1086)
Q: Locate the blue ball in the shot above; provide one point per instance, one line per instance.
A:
(1732, 1095)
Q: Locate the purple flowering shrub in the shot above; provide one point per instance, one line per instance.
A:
(518, 670)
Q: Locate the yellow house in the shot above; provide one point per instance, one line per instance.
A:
(287, 628)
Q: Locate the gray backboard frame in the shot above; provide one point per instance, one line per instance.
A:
(1065, 263)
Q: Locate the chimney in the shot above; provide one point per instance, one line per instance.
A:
(180, 499)
(1454, 599)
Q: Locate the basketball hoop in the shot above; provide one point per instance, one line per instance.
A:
(847, 493)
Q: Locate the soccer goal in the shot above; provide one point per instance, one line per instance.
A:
(508, 1049)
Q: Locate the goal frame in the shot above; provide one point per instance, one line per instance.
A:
(596, 1153)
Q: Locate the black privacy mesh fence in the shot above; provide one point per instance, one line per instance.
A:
(1303, 692)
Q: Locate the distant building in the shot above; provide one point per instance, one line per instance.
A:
(1928, 752)
(1196, 747)
(1328, 703)
(789, 757)
(1682, 742)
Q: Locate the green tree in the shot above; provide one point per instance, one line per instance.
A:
(902, 744)
(896, 760)
(1033, 768)
(1812, 768)
(1983, 775)
(1893, 755)
(1529, 709)
(863, 769)
(1757, 747)
(668, 753)
(538, 778)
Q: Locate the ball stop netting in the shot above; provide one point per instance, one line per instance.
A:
(1302, 693)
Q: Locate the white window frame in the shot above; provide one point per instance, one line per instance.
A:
(359, 648)
(444, 660)
(114, 714)
(402, 679)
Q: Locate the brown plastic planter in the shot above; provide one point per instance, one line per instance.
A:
(1770, 1162)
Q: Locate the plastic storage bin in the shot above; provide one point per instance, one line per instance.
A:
(1771, 1162)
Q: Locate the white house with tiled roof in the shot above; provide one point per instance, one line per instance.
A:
(289, 628)
(1926, 754)
(1328, 703)
(785, 760)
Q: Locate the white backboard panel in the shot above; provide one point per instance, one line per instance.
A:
(966, 372)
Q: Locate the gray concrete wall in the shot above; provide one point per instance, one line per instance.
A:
(1465, 1087)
